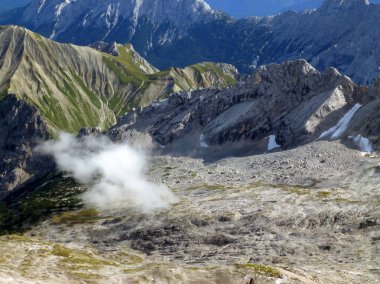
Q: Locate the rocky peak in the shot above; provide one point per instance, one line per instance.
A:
(110, 48)
(293, 77)
(58, 15)
(288, 71)
(292, 101)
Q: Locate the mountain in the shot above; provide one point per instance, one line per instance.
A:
(341, 34)
(246, 8)
(146, 23)
(290, 104)
(47, 87)
(282, 105)
(58, 78)
(237, 8)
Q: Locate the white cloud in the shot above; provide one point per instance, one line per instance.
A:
(113, 172)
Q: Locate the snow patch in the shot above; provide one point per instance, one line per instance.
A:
(363, 143)
(202, 142)
(280, 280)
(272, 144)
(60, 7)
(336, 131)
(111, 17)
(52, 34)
(58, 12)
(42, 4)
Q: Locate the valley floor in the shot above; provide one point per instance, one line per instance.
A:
(307, 215)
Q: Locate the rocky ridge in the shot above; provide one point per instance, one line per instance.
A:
(291, 102)
(57, 78)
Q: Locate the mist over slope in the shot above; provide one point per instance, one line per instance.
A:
(113, 172)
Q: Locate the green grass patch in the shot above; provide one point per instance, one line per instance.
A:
(76, 217)
(261, 270)
(39, 201)
(210, 187)
(213, 68)
(323, 194)
(3, 94)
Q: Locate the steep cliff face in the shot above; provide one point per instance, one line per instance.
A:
(292, 102)
(366, 121)
(21, 129)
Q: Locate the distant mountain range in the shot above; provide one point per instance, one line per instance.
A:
(236, 8)
(246, 8)
(341, 33)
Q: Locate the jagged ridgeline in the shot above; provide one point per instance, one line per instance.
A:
(74, 86)
(341, 33)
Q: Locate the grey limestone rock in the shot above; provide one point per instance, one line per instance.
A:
(292, 101)
(21, 129)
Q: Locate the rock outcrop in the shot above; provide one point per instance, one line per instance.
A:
(292, 101)
(21, 128)
(366, 121)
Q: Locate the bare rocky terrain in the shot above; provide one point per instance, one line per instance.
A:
(275, 181)
(307, 215)
(196, 174)
(270, 182)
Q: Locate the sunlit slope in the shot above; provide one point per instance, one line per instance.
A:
(76, 87)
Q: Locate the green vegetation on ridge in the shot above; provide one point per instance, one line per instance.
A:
(75, 87)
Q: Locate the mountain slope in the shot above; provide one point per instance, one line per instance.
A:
(75, 87)
(47, 87)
